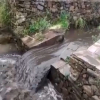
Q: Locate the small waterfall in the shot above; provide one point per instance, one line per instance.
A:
(30, 72)
(14, 65)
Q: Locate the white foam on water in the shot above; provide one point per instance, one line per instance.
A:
(49, 93)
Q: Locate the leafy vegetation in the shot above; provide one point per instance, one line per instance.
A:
(67, 60)
(4, 14)
(25, 31)
(64, 20)
(39, 26)
(80, 23)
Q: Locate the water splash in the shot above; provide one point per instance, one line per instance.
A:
(48, 93)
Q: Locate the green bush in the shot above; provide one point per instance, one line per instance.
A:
(80, 23)
(4, 13)
(39, 26)
(64, 20)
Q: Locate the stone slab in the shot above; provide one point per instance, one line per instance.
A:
(66, 53)
(65, 70)
(72, 47)
(89, 58)
(58, 64)
(51, 38)
(95, 48)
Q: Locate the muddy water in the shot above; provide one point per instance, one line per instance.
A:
(33, 66)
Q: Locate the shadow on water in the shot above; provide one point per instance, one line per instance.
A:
(34, 65)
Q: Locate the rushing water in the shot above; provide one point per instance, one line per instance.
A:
(48, 92)
(33, 66)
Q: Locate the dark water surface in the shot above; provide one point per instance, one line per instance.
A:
(33, 66)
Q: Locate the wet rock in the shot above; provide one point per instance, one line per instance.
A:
(60, 39)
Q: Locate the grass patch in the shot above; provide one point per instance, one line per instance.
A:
(4, 14)
(80, 23)
(64, 20)
(39, 26)
(67, 59)
(58, 26)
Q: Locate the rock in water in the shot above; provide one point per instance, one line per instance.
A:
(60, 39)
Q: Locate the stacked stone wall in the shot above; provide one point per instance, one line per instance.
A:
(79, 78)
(26, 11)
(85, 71)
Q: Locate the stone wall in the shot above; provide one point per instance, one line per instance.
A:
(76, 7)
(25, 11)
(85, 71)
(79, 77)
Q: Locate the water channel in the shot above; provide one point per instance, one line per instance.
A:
(33, 65)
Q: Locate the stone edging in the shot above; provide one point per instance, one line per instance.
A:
(79, 79)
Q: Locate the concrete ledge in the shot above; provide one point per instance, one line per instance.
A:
(51, 38)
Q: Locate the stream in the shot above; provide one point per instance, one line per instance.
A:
(31, 69)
